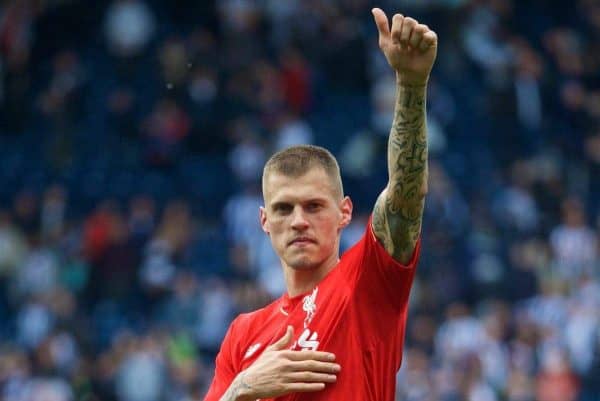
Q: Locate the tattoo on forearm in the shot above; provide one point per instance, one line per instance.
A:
(398, 212)
(235, 388)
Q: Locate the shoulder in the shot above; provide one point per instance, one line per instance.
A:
(369, 259)
(365, 245)
(361, 234)
(252, 321)
(242, 331)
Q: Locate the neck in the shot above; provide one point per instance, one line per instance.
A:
(301, 281)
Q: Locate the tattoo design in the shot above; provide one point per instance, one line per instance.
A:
(234, 389)
(399, 209)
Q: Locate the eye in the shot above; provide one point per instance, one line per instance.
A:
(314, 207)
(282, 208)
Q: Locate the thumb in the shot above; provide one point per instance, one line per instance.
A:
(383, 26)
(284, 341)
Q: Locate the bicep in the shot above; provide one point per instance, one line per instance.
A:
(397, 225)
(382, 279)
(379, 223)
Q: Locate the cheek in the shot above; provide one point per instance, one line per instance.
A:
(276, 231)
(274, 222)
(328, 228)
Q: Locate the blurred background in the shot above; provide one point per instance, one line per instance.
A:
(132, 139)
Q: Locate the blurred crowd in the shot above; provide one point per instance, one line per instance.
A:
(133, 135)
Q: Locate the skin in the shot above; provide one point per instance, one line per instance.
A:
(308, 208)
(304, 208)
(279, 371)
(410, 48)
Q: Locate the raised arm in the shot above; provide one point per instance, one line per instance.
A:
(410, 48)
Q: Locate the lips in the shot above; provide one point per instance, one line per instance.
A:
(302, 241)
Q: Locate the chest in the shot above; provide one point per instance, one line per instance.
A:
(322, 320)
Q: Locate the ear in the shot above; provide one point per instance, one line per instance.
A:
(263, 219)
(346, 210)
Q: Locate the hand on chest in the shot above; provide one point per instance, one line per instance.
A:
(315, 317)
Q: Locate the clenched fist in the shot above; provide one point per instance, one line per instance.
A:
(409, 47)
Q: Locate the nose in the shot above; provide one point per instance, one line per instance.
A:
(299, 221)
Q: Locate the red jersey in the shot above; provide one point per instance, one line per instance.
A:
(358, 312)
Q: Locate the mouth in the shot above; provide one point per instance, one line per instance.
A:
(302, 241)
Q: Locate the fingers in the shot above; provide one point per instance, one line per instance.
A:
(309, 377)
(381, 21)
(284, 341)
(429, 40)
(304, 387)
(309, 355)
(417, 35)
(315, 366)
(383, 26)
(396, 31)
(402, 29)
(407, 32)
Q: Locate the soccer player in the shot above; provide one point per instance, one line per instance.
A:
(337, 333)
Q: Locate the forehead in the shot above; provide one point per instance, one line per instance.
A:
(315, 183)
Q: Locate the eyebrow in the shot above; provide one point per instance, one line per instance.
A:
(311, 200)
(277, 205)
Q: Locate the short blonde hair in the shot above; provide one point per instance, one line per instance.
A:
(297, 160)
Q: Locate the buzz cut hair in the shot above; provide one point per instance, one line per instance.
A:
(297, 160)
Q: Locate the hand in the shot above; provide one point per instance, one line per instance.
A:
(410, 48)
(279, 371)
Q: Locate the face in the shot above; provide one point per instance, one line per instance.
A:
(304, 218)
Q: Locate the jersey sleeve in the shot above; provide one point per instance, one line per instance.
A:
(380, 280)
(225, 370)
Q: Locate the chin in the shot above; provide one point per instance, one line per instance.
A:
(303, 264)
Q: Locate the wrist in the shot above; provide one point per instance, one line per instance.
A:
(245, 391)
(407, 80)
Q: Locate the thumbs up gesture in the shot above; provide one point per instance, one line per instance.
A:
(409, 47)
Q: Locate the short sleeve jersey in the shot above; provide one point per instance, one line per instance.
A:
(358, 312)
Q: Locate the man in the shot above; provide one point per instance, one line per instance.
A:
(338, 332)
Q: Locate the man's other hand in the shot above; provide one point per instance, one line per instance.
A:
(409, 47)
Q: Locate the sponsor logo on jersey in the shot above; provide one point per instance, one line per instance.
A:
(251, 350)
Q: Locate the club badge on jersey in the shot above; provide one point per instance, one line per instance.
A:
(308, 340)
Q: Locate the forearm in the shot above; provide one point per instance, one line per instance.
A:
(407, 151)
(238, 390)
(398, 211)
